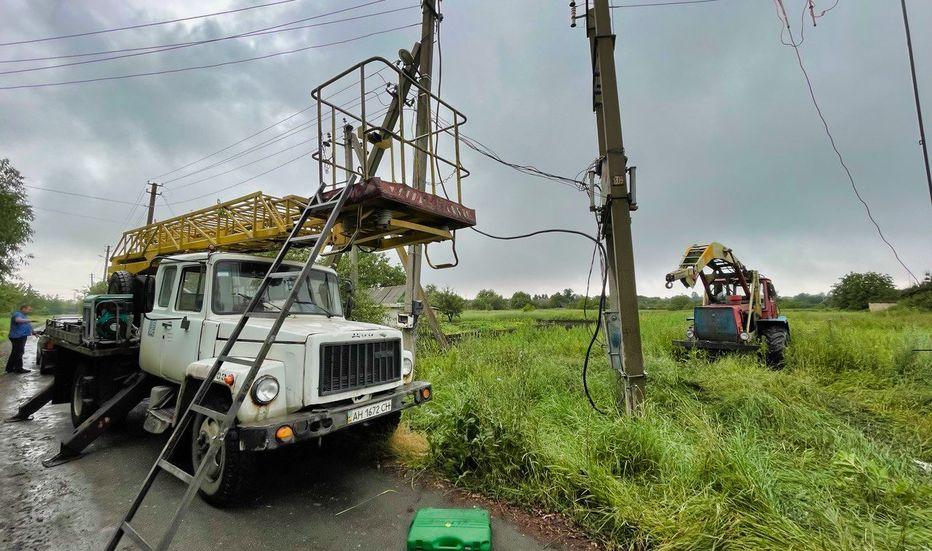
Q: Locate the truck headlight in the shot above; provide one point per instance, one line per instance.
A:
(690, 332)
(407, 366)
(264, 390)
(745, 336)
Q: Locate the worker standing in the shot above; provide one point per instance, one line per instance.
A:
(20, 330)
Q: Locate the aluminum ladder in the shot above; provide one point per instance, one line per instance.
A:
(315, 208)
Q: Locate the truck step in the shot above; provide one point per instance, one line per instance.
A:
(327, 205)
(176, 471)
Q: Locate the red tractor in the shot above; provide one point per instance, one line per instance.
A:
(739, 308)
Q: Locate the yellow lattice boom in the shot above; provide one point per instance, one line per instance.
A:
(254, 222)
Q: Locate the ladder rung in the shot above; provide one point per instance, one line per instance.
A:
(323, 206)
(302, 239)
(212, 413)
(235, 360)
(134, 535)
(175, 470)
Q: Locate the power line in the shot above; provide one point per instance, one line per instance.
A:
(208, 66)
(831, 139)
(251, 178)
(143, 25)
(651, 5)
(85, 196)
(76, 215)
(253, 135)
(531, 170)
(178, 46)
(242, 166)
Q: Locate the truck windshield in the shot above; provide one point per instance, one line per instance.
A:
(236, 282)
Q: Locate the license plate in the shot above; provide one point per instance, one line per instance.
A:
(368, 412)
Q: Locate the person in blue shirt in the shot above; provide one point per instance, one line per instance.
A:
(20, 330)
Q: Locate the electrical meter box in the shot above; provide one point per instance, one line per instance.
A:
(450, 530)
(107, 319)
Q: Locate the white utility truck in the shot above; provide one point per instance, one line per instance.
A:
(323, 373)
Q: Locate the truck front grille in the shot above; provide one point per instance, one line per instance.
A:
(350, 366)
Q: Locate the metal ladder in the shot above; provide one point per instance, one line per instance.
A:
(317, 205)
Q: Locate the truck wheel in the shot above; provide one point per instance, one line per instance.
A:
(83, 398)
(120, 283)
(775, 338)
(229, 473)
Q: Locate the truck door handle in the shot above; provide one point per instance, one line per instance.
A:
(185, 323)
(167, 324)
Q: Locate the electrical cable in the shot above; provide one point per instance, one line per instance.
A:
(178, 46)
(207, 66)
(530, 170)
(142, 25)
(595, 334)
(831, 140)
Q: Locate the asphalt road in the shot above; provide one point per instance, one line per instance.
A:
(333, 498)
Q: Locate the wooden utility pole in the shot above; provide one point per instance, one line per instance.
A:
(422, 124)
(622, 327)
(153, 193)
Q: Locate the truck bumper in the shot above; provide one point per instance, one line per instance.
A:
(717, 345)
(307, 425)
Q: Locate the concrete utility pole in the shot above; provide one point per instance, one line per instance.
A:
(153, 193)
(622, 327)
(422, 124)
(912, 70)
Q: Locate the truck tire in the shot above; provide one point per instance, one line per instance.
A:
(775, 338)
(83, 396)
(120, 283)
(228, 481)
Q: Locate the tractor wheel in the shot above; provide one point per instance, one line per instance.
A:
(120, 283)
(775, 338)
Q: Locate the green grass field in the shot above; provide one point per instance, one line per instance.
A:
(728, 454)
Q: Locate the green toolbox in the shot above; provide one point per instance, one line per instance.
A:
(450, 530)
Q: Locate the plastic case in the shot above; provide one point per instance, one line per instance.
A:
(450, 530)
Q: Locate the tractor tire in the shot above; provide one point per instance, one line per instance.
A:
(230, 473)
(120, 283)
(775, 338)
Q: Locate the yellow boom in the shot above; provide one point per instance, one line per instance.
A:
(254, 222)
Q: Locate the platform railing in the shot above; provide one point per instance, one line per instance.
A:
(368, 119)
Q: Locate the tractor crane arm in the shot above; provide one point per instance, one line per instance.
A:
(698, 257)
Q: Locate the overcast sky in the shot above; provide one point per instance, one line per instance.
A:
(715, 113)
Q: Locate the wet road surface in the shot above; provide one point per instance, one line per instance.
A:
(334, 498)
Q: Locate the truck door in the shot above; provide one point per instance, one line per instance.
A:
(182, 334)
(154, 323)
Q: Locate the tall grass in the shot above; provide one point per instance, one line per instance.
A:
(728, 454)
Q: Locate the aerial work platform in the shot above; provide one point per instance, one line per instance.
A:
(404, 201)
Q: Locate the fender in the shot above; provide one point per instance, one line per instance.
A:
(778, 321)
(250, 411)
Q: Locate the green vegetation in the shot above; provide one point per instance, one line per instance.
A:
(728, 454)
(854, 291)
(16, 218)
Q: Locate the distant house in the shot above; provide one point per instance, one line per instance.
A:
(391, 298)
(879, 306)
